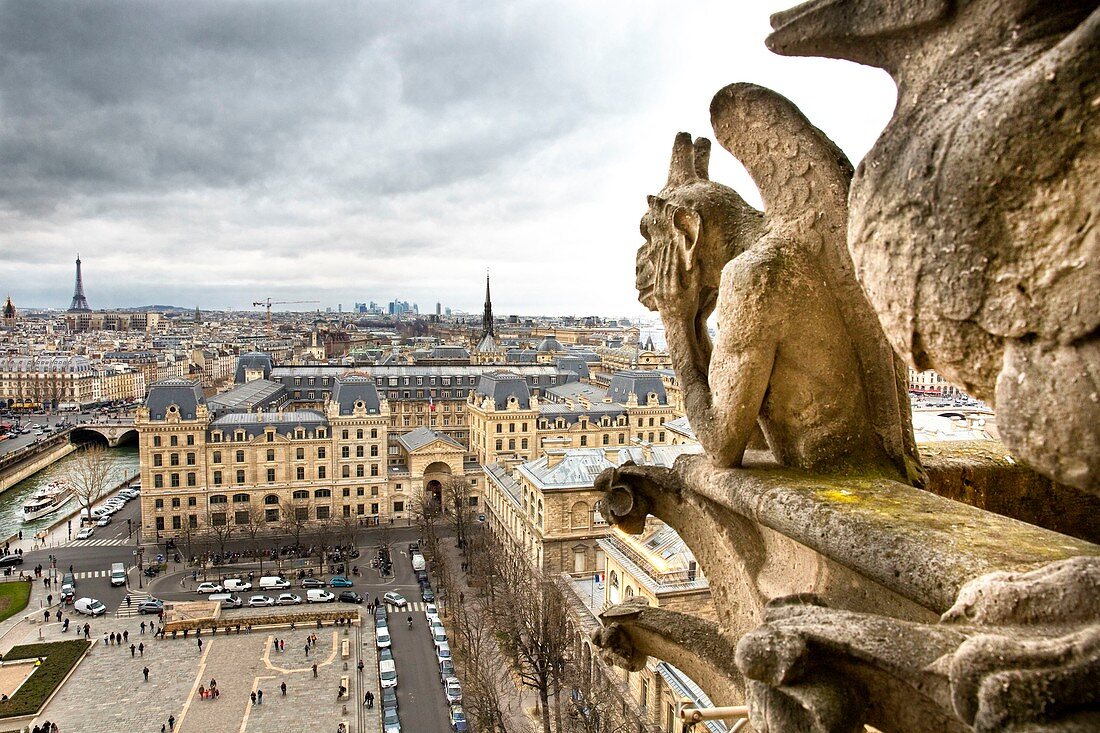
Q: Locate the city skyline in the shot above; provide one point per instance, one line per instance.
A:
(330, 152)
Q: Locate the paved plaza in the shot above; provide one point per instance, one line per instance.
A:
(108, 693)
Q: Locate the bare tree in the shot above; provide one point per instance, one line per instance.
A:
(488, 694)
(90, 475)
(219, 530)
(253, 529)
(323, 536)
(596, 707)
(456, 498)
(348, 530)
(529, 615)
(295, 520)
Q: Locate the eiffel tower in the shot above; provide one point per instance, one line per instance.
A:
(80, 303)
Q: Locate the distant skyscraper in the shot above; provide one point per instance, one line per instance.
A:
(438, 308)
(80, 303)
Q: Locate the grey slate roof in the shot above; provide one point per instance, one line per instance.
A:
(574, 390)
(640, 383)
(257, 394)
(503, 386)
(253, 360)
(447, 351)
(421, 437)
(521, 356)
(571, 415)
(353, 388)
(682, 426)
(549, 344)
(184, 393)
(573, 364)
(256, 423)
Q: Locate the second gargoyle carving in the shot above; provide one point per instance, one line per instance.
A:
(799, 350)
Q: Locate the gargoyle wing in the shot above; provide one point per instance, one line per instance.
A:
(803, 179)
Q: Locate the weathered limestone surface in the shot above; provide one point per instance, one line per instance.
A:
(799, 352)
(974, 218)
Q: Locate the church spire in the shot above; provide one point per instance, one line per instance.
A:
(487, 328)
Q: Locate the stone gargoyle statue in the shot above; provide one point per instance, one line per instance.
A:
(975, 219)
(799, 353)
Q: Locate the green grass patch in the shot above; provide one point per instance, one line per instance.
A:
(60, 657)
(13, 597)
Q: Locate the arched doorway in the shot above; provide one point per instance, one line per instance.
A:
(436, 476)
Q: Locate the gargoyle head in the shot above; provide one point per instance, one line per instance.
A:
(872, 32)
(690, 220)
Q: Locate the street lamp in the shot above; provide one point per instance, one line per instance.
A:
(140, 552)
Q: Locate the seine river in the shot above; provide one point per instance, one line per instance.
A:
(124, 461)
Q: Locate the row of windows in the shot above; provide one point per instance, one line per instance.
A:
(173, 440)
(270, 499)
(243, 517)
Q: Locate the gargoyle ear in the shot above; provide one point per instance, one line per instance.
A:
(656, 202)
(702, 158)
(688, 225)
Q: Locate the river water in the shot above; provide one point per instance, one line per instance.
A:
(124, 463)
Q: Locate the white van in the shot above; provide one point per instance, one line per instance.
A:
(319, 595)
(118, 574)
(387, 673)
(236, 584)
(269, 582)
(418, 562)
(228, 600)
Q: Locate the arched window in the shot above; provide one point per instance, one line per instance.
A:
(240, 456)
(614, 579)
(271, 499)
(322, 494)
(301, 494)
(523, 444)
(579, 515)
(241, 498)
(219, 499)
(500, 444)
(359, 434)
(374, 432)
(345, 471)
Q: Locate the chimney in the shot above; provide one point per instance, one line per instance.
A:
(554, 457)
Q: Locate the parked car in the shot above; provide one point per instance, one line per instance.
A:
(8, 561)
(380, 612)
(395, 599)
(319, 595)
(151, 605)
(288, 599)
(85, 533)
(313, 583)
(389, 696)
(89, 607)
(458, 719)
(209, 588)
(443, 653)
(384, 654)
(350, 596)
(228, 600)
(430, 610)
(387, 673)
(439, 636)
(339, 581)
(382, 637)
(427, 595)
(452, 690)
(236, 585)
(446, 669)
(260, 600)
(390, 722)
(103, 521)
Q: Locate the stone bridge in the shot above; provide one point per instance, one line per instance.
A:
(115, 432)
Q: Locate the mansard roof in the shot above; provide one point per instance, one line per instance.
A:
(353, 388)
(640, 383)
(185, 394)
(503, 386)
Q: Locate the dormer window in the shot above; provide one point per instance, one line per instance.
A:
(239, 436)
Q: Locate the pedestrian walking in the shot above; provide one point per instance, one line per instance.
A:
(45, 617)
(315, 669)
(252, 695)
(145, 672)
(125, 636)
(143, 627)
(307, 647)
(259, 697)
(275, 643)
(282, 688)
(87, 632)
(133, 651)
(105, 642)
(127, 601)
(59, 618)
(49, 599)
(171, 722)
(200, 645)
(282, 645)
(141, 648)
(360, 665)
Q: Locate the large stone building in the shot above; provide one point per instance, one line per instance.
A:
(251, 456)
(55, 380)
(547, 506)
(509, 422)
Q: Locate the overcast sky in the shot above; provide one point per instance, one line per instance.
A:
(216, 153)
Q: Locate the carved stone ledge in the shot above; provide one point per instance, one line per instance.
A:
(1018, 652)
(635, 630)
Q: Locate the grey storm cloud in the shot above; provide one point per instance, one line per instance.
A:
(189, 149)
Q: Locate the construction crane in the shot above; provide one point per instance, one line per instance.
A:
(268, 302)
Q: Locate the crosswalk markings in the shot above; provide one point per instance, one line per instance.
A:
(130, 611)
(416, 606)
(91, 574)
(98, 543)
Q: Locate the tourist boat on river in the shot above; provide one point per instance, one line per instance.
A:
(47, 500)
